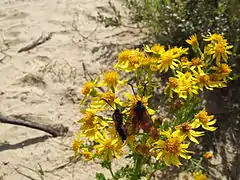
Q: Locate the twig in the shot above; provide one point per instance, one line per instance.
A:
(38, 172)
(55, 130)
(25, 175)
(36, 43)
(76, 29)
(4, 57)
(4, 50)
(72, 161)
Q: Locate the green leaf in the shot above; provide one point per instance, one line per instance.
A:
(106, 164)
(93, 93)
(100, 176)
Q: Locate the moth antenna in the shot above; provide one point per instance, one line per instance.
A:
(144, 89)
(133, 90)
(108, 103)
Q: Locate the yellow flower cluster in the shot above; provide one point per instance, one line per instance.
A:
(208, 69)
(115, 121)
(173, 146)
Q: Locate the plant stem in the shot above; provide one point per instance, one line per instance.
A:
(138, 165)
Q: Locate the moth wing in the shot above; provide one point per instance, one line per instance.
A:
(131, 125)
(148, 126)
(154, 133)
(146, 122)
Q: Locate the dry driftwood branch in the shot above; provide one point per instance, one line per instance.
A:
(42, 39)
(54, 130)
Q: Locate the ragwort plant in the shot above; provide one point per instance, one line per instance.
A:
(136, 130)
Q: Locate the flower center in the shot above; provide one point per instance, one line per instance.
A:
(185, 127)
(172, 145)
(124, 56)
(167, 58)
(87, 87)
(173, 82)
(220, 48)
(89, 117)
(225, 69)
(196, 61)
(108, 146)
(109, 97)
(203, 116)
(157, 48)
(111, 78)
(204, 79)
(184, 59)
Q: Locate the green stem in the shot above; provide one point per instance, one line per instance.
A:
(138, 165)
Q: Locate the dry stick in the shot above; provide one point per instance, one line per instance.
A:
(36, 43)
(72, 161)
(55, 130)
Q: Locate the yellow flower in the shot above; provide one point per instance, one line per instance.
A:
(77, 147)
(222, 71)
(214, 38)
(109, 97)
(179, 51)
(208, 155)
(167, 61)
(193, 41)
(219, 51)
(218, 47)
(130, 60)
(170, 58)
(172, 84)
(186, 85)
(199, 176)
(87, 155)
(77, 143)
(91, 124)
(156, 49)
(102, 100)
(197, 63)
(204, 120)
(217, 80)
(108, 147)
(185, 63)
(87, 88)
(111, 79)
(204, 80)
(133, 101)
(154, 67)
(170, 149)
(185, 130)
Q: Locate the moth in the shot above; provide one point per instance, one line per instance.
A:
(117, 117)
(139, 118)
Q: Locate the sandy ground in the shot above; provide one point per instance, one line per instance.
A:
(43, 84)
